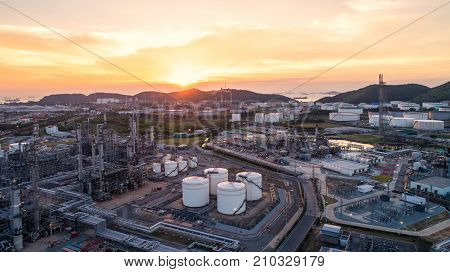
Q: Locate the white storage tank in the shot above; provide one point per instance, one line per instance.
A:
(344, 117)
(402, 122)
(170, 168)
(192, 162)
(236, 117)
(182, 165)
(374, 120)
(167, 157)
(215, 176)
(195, 192)
(350, 110)
(253, 184)
(430, 125)
(259, 117)
(416, 115)
(231, 198)
(156, 168)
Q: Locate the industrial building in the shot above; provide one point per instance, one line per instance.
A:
(362, 157)
(436, 185)
(344, 167)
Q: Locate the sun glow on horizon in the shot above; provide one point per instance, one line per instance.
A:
(184, 75)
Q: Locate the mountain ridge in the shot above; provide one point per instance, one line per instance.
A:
(405, 92)
(190, 95)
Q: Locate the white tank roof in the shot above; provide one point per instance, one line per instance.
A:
(230, 186)
(249, 174)
(195, 180)
(215, 171)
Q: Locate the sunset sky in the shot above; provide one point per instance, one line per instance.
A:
(265, 46)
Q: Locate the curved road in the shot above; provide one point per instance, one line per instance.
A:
(305, 223)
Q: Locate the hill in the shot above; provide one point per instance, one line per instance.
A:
(436, 94)
(370, 94)
(191, 95)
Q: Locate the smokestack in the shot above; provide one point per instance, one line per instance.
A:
(16, 217)
(99, 141)
(80, 153)
(152, 134)
(34, 178)
(93, 157)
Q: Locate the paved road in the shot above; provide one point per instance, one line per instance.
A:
(306, 222)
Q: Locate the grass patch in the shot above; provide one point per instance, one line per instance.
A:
(382, 178)
(329, 200)
(55, 143)
(180, 141)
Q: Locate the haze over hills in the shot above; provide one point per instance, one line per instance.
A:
(406, 92)
(191, 95)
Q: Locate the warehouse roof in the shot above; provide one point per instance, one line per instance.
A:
(435, 182)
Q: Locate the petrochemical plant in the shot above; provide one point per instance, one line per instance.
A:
(225, 176)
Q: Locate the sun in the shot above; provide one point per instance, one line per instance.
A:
(184, 75)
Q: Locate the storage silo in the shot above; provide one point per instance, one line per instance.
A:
(231, 198)
(416, 115)
(215, 176)
(429, 125)
(253, 184)
(156, 166)
(182, 165)
(259, 117)
(236, 117)
(343, 117)
(195, 191)
(402, 122)
(192, 162)
(170, 168)
(167, 157)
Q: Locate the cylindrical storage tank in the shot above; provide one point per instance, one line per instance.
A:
(402, 122)
(182, 166)
(416, 115)
(253, 184)
(156, 168)
(18, 242)
(231, 198)
(167, 157)
(430, 125)
(195, 191)
(170, 168)
(215, 176)
(193, 163)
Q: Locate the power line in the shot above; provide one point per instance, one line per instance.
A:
(81, 46)
(367, 48)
